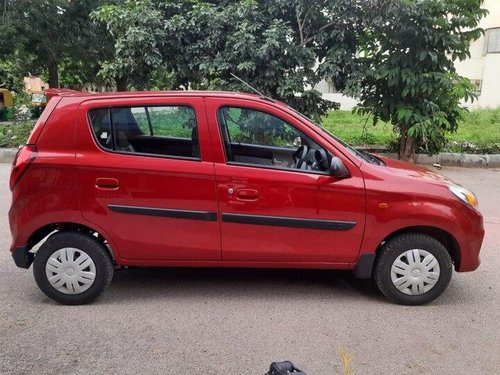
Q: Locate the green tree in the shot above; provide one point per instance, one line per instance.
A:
(280, 47)
(136, 26)
(406, 68)
(52, 31)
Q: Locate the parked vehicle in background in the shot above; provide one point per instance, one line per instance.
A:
(36, 88)
(220, 179)
(5, 102)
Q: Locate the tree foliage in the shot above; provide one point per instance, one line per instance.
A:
(52, 32)
(395, 56)
(280, 47)
(406, 67)
(136, 28)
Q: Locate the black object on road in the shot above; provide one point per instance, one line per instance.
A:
(284, 368)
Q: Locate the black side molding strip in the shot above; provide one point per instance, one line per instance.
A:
(163, 212)
(279, 221)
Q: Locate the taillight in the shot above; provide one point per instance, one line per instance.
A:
(24, 157)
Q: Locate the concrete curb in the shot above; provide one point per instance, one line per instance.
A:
(453, 159)
(450, 159)
(7, 154)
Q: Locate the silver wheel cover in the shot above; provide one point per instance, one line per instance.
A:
(415, 272)
(70, 270)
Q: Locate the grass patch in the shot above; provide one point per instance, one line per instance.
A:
(358, 130)
(15, 134)
(478, 132)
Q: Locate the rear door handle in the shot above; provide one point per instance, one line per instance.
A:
(247, 194)
(105, 183)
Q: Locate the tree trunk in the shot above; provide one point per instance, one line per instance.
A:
(406, 146)
(53, 75)
(121, 83)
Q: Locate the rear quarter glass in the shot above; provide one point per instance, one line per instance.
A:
(35, 133)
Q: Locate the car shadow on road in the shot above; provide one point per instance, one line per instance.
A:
(181, 283)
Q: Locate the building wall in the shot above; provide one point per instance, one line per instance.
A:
(329, 93)
(346, 102)
(482, 68)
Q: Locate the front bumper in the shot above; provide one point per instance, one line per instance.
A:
(22, 257)
(469, 232)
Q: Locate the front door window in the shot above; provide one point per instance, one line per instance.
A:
(256, 138)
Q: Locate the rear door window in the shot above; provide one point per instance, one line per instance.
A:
(154, 130)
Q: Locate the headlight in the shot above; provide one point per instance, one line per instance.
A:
(464, 195)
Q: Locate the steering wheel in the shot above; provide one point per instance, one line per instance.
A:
(321, 160)
(300, 156)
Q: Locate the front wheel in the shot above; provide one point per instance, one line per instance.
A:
(72, 268)
(413, 269)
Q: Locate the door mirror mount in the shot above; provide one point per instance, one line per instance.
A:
(338, 169)
(297, 142)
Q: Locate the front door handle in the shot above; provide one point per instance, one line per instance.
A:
(105, 183)
(247, 194)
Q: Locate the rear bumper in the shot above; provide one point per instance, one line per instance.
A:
(22, 257)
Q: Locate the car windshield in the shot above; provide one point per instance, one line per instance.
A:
(358, 153)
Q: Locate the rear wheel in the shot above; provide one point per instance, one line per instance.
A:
(413, 269)
(72, 268)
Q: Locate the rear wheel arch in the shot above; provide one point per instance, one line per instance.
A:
(72, 267)
(48, 229)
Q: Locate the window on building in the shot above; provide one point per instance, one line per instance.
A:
(478, 85)
(493, 40)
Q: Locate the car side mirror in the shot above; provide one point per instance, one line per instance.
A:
(338, 169)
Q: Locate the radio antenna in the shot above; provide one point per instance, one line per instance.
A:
(252, 88)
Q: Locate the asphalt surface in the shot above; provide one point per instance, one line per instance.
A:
(192, 321)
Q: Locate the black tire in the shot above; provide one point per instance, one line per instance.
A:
(396, 247)
(80, 241)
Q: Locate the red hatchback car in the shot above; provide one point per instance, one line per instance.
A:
(220, 179)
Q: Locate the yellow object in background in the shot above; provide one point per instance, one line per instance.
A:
(6, 98)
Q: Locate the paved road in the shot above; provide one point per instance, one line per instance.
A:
(163, 321)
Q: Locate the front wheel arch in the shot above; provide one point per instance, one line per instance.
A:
(445, 238)
(412, 269)
(364, 266)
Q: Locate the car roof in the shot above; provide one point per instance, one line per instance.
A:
(118, 94)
